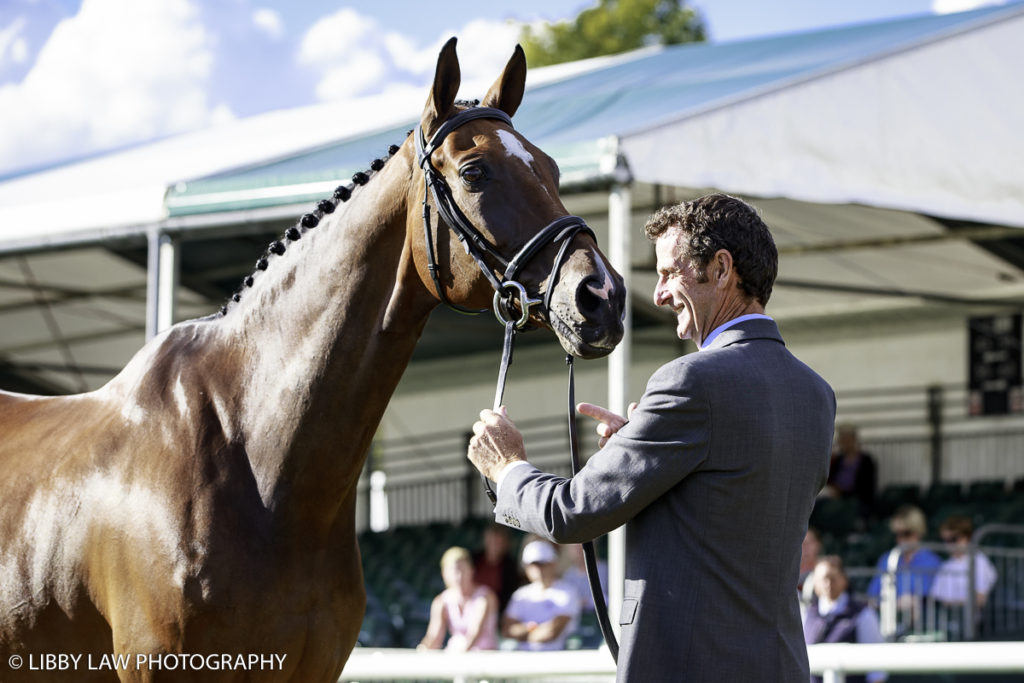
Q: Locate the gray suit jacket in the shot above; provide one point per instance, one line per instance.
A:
(714, 477)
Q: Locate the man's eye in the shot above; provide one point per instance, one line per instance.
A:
(472, 175)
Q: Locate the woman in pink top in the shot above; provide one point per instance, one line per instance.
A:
(465, 610)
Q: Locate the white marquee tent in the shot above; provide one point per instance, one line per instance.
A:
(885, 156)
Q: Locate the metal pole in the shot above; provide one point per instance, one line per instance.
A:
(619, 249)
(470, 483)
(935, 426)
(971, 606)
(833, 676)
(161, 282)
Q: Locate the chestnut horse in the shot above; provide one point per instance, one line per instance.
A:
(200, 507)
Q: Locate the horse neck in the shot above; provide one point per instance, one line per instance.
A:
(329, 328)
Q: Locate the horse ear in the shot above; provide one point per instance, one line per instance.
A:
(447, 78)
(507, 91)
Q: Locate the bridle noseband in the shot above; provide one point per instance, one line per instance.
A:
(507, 287)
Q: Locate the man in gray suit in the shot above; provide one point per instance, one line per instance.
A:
(714, 474)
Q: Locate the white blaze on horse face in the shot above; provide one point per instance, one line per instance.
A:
(604, 291)
(514, 147)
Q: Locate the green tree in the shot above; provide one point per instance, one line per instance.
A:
(611, 27)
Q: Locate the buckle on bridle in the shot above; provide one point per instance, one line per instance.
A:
(503, 310)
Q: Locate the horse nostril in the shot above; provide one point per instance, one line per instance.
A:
(591, 295)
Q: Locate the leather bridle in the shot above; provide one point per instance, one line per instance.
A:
(507, 288)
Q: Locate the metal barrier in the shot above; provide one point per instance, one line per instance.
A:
(831, 661)
(921, 616)
(430, 479)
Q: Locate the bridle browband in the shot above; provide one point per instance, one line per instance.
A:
(506, 289)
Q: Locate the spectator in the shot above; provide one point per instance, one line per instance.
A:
(835, 617)
(542, 613)
(852, 472)
(950, 587)
(914, 567)
(576, 576)
(495, 567)
(810, 553)
(466, 610)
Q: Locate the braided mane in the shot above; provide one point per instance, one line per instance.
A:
(310, 220)
(307, 222)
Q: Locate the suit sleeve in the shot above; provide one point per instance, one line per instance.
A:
(666, 439)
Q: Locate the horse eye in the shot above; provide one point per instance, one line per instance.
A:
(472, 175)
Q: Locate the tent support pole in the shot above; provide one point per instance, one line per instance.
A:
(161, 282)
(619, 250)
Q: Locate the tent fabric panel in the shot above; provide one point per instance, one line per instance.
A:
(682, 80)
(940, 135)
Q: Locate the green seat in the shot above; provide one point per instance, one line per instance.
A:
(986, 490)
(940, 494)
(895, 495)
(837, 516)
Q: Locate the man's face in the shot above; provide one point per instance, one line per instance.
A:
(829, 581)
(847, 440)
(679, 288)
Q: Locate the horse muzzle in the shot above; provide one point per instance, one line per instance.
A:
(586, 313)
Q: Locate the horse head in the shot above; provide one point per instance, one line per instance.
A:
(495, 228)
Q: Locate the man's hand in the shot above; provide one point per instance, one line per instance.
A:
(609, 422)
(496, 443)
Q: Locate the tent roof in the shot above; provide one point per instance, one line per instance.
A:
(680, 92)
(801, 101)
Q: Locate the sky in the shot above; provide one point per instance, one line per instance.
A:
(80, 77)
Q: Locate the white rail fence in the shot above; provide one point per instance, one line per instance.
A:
(831, 661)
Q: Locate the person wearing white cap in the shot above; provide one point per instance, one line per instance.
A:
(541, 614)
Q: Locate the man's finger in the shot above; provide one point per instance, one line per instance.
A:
(597, 412)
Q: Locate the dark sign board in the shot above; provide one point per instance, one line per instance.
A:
(995, 379)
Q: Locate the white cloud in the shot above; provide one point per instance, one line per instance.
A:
(269, 22)
(354, 56)
(338, 37)
(13, 47)
(484, 48)
(118, 72)
(950, 6)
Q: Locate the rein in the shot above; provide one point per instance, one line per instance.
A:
(506, 289)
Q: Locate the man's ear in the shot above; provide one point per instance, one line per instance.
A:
(721, 267)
